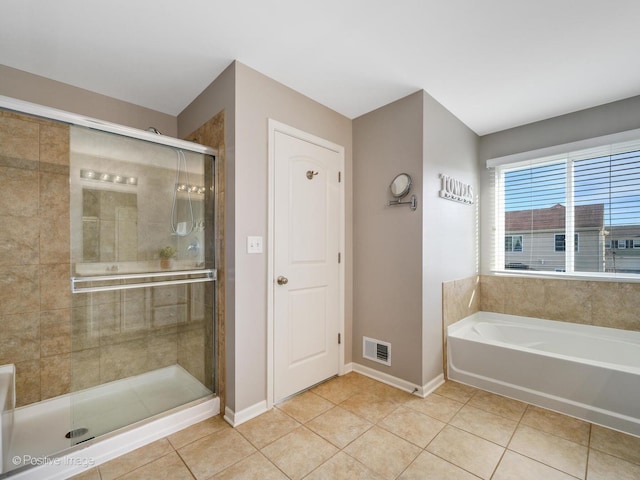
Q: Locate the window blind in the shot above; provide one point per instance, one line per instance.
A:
(570, 213)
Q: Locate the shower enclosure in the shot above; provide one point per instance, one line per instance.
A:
(139, 330)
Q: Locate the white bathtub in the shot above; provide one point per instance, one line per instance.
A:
(592, 373)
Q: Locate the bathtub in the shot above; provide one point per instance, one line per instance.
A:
(592, 373)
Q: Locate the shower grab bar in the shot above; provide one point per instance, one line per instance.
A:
(210, 275)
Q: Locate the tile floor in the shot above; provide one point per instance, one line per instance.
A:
(353, 427)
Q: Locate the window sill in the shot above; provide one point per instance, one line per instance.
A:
(590, 277)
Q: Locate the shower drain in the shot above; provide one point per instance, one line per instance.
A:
(77, 432)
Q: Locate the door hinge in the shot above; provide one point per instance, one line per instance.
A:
(339, 257)
(339, 339)
(339, 177)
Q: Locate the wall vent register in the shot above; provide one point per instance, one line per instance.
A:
(376, 350)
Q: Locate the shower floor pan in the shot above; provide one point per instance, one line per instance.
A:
(52, 426)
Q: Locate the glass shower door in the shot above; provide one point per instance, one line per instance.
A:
(142, 272)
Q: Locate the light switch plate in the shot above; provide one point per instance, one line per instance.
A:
(254, 244)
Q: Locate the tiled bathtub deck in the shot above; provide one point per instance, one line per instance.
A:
(353, 427)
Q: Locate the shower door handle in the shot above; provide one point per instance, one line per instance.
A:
(282, 280)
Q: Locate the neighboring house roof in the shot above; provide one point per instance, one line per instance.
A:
(553, 218)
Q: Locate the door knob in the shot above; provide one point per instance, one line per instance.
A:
(282, 280)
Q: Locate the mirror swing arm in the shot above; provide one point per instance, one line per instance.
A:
(413, 203)
(400, 188)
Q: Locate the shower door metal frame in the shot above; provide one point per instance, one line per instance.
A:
(49, 113)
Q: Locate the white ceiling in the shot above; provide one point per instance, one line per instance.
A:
(495, 64)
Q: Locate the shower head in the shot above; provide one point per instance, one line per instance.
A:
(154, 130)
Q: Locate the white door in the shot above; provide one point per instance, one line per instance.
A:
(306, 263)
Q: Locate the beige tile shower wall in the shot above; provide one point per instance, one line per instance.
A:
(35, 314)
(604, 304)
(119, 334)
(61, 343)
(460, 298)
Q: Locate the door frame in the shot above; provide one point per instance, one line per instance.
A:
(275, 126)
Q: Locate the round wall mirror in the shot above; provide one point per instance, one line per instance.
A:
(400, 185)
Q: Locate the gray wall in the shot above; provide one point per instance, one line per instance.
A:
(450, 242)
(593, 122)
(388, 240)
(43, 91)
(403, 257)
(582, 125)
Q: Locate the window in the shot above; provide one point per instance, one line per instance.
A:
(622, 244)
(575, 211)
(513, 243)
(559, 242)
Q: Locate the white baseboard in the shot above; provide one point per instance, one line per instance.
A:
(420, 390)
(431, 385)
(238, 418)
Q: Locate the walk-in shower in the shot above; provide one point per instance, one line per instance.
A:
(120, 274)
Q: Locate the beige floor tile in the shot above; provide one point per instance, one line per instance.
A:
(91, 474)
(383, 452)
(467, 451)
(491, 427)
(554, 451)
(429, 467)
(359, 381)
(215, 452)
(456, 391)
(492, 403)
(545, 445)
(436, 406)
(197, 431)
(130, 461)
(412, 425)
(515, 466)
(305, 406)
(254, 467)
(616, 443)
(339, 426)
(299, 452)
(369, 406)
(557, 424)
(267, 428)
(387, 392)
(338, 389)
(342, 467)
(169, 466)
(607, 467)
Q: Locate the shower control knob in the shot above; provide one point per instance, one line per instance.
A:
(282, 280)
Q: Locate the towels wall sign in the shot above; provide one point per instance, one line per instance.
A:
(455, 190)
